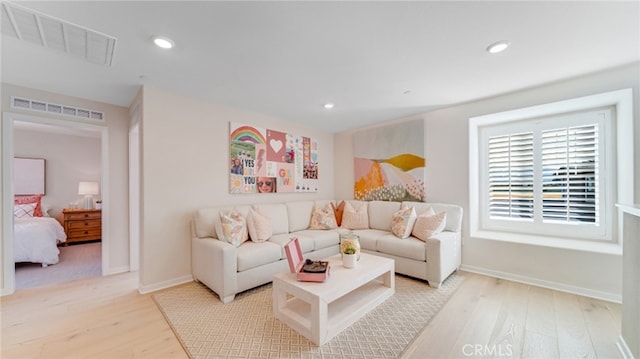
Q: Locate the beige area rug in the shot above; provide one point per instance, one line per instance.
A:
(246, 328)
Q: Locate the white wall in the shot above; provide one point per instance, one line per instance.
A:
(69, 159)
(447, 180)
(185, 152)
(116, 122)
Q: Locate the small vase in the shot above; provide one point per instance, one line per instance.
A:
(349, 260)
(350, 240)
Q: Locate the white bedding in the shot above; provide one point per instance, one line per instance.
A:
(35, 240)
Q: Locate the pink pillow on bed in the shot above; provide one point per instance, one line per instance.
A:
(36, 198)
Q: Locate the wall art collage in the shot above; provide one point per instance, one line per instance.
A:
(269, 161)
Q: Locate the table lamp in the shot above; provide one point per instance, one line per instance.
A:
(88, 190)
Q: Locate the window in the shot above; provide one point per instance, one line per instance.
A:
(549, 174)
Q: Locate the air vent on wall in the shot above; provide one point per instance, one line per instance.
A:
(37, 105)
(40, 29)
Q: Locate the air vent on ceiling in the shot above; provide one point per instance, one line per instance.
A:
(28, 25)
(37, 105)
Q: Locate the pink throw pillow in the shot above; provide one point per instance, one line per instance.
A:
(36, 198)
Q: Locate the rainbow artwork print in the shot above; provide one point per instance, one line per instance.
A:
(389, 163)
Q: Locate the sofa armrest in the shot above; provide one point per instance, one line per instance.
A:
(443, 256)
(215, 264)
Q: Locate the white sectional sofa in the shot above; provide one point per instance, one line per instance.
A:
(228, 270)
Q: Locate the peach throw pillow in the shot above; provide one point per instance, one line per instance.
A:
(260, 228)
(429, 224)
(355, 218)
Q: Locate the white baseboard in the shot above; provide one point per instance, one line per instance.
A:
(624, 348)
(116, 270)
(144, 289)
(610, 297)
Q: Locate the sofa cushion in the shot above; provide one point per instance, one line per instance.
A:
(259, 226)
(321, 238)
(279, 216)
(411, 247)
(428, 225)
(380, 213)
(323, 217)
(251, 254)
(339, 210)
(369, 237)
(306, 243)
(299, 215)
(355, 217)
(402, 222)
(232, 227)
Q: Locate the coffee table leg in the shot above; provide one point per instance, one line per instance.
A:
(319, 320)
(279, 299)
(389, 279)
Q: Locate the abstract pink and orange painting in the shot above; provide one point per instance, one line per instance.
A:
(389, 163)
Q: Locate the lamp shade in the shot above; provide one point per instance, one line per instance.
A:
(88, 188)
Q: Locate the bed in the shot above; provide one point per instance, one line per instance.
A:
(35, 240)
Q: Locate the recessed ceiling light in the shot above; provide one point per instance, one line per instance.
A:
(497, 47)
(328, 105)
(163, 42)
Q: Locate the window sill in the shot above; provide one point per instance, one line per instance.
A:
(552, 242)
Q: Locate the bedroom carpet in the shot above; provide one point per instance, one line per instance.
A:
(76, 262)
(246, 328)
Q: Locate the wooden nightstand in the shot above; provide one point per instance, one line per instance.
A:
(82, 224)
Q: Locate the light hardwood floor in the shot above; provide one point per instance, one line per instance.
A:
(107, 318)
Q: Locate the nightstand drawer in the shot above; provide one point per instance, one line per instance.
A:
(86, 234)
(90, 223)
(82, 215)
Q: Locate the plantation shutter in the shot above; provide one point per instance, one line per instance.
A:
(570, 174)
(511, 176)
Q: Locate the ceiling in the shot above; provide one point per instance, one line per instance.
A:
(376, 61)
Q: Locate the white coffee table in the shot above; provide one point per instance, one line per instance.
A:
(320, 311)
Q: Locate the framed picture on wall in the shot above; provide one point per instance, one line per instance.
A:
(28, 176)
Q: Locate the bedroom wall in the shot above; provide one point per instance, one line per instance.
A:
(69, 159)
(117, 123)
(447, 180)
(185, 156)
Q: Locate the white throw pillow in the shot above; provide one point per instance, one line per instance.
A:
(260, 229)
(24, 210)
(323, 218)
(428, 225)
(355, 218)
(232, 228)
(402, 222)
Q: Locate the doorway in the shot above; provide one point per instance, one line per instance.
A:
(11, 121)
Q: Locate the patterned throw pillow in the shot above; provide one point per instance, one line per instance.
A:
(233, 228)
(323, 218)
(23, 210)
(429, 224)
(37, 212)
(260, 229)
(355, 219)
(339, 211)
(402, 222)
